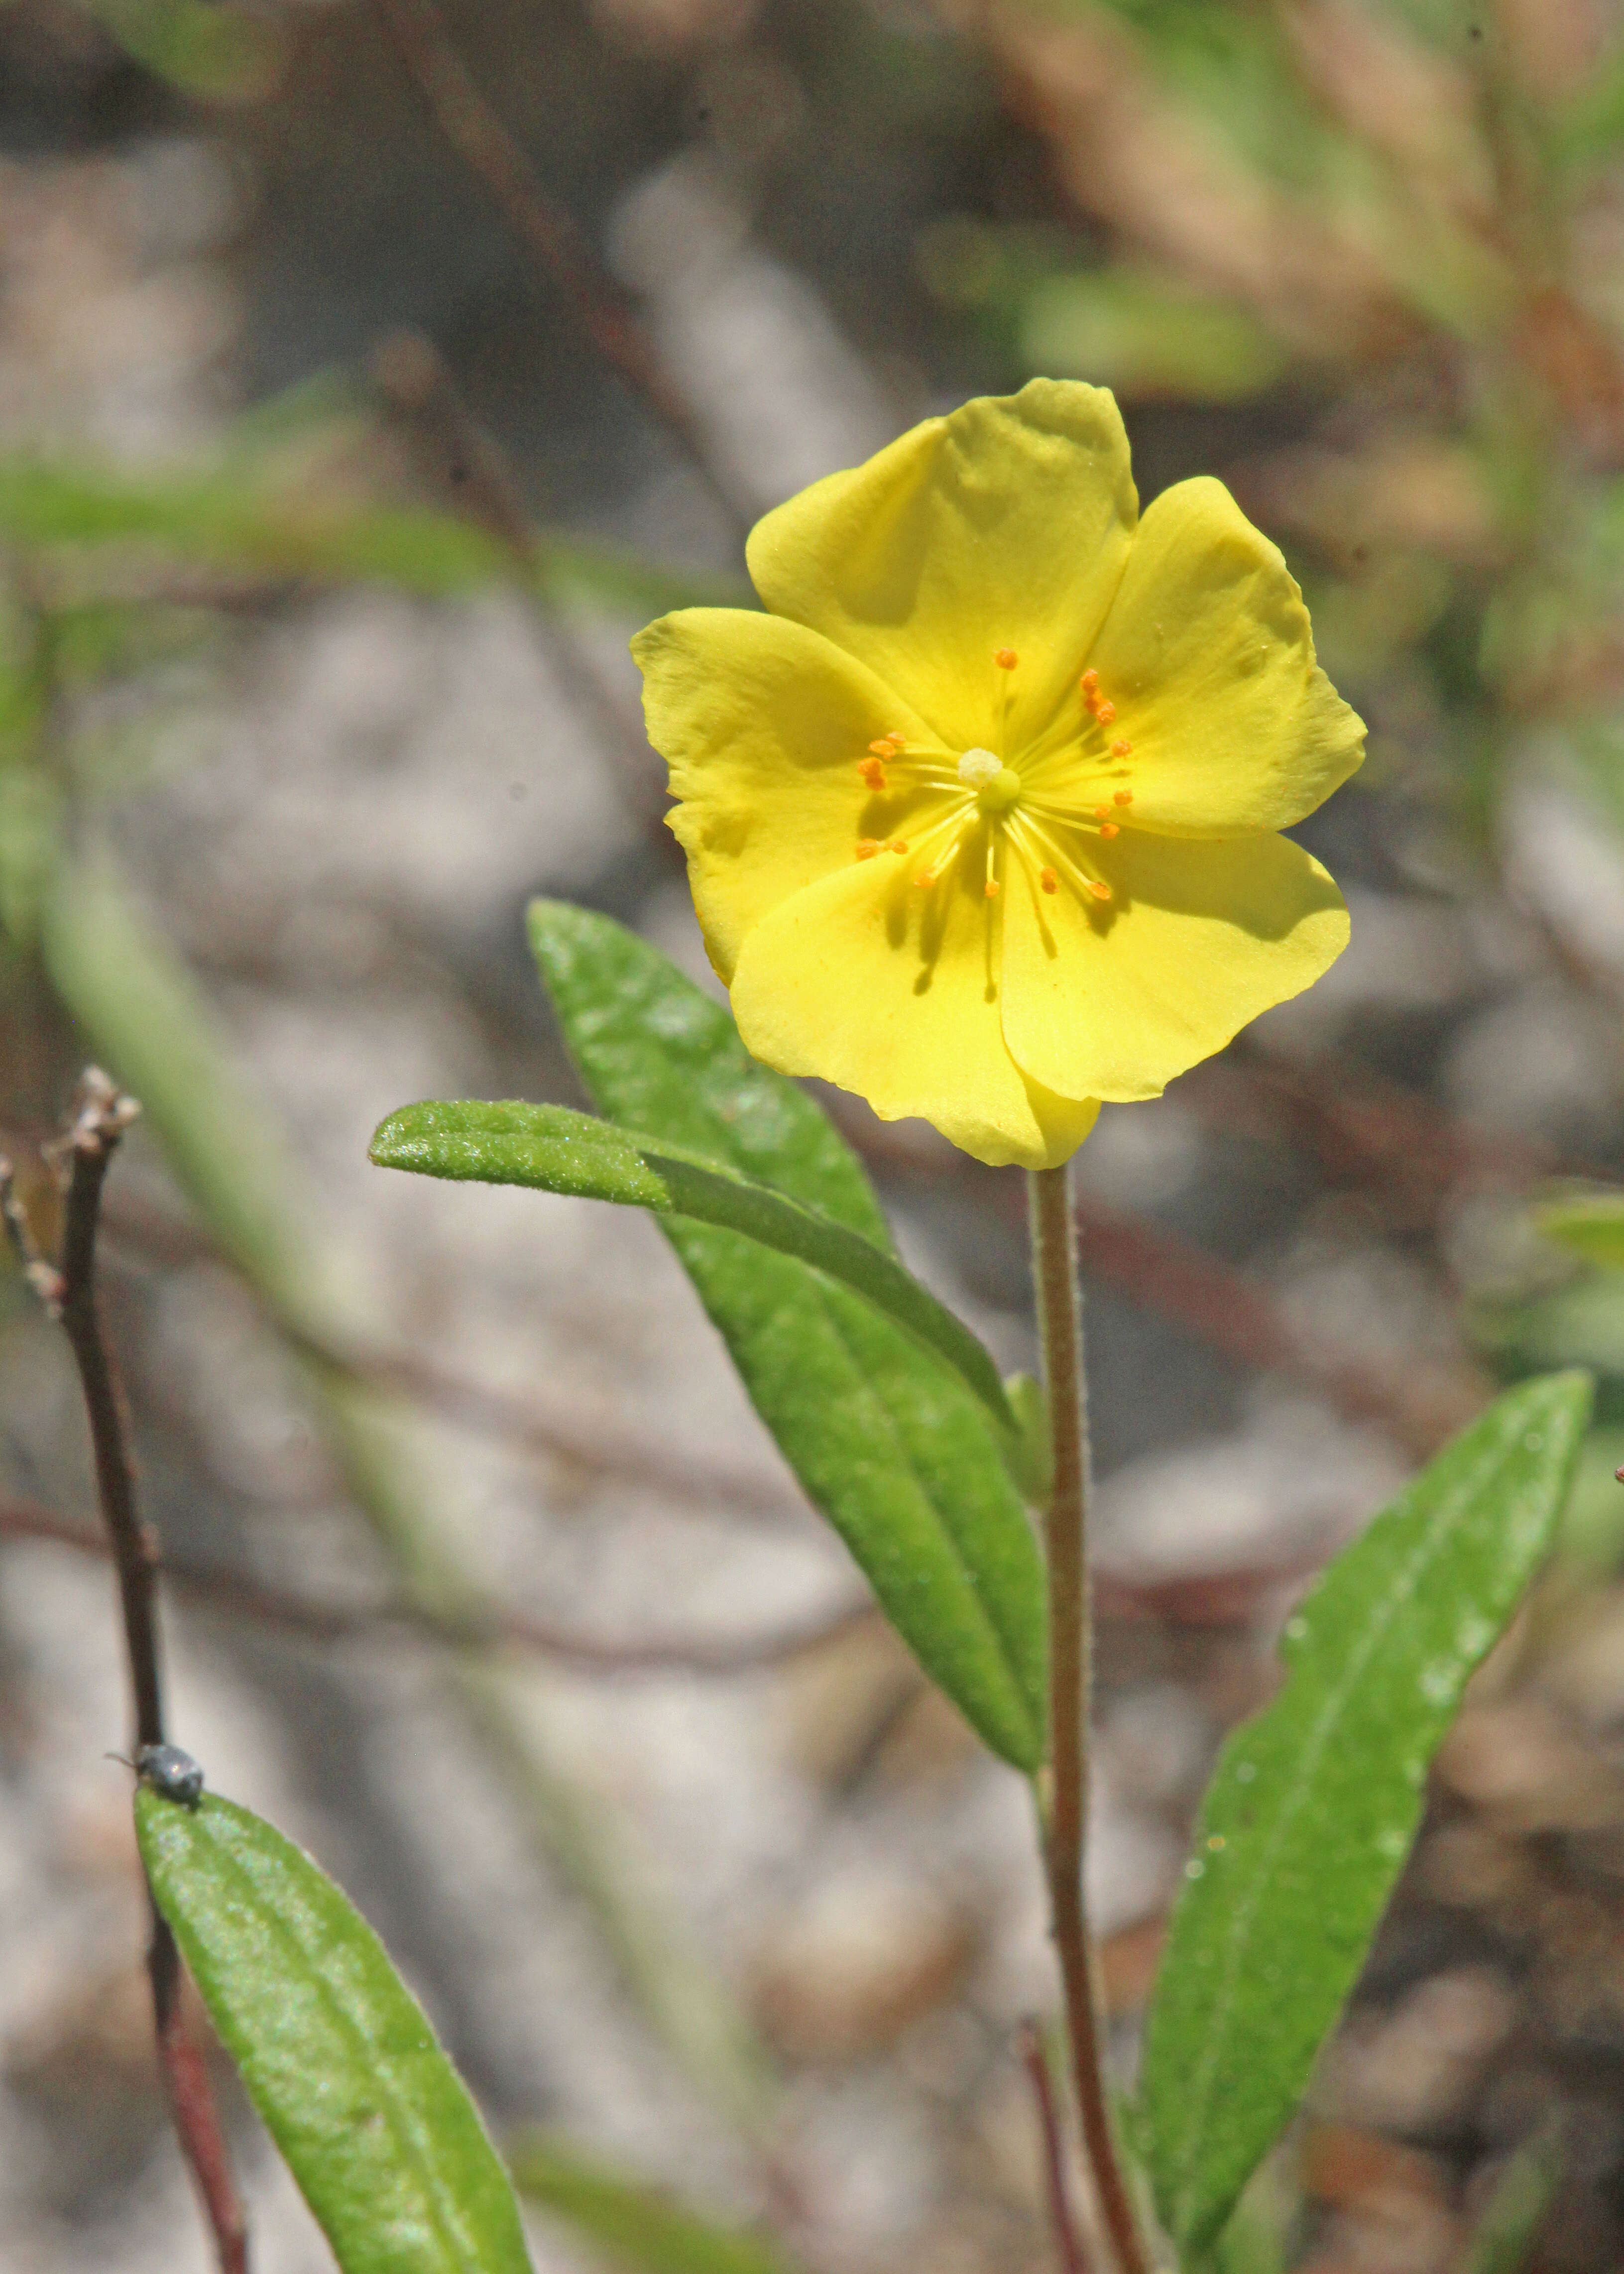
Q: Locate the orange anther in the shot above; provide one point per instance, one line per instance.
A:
(1109, 829)
(992, 888)
(1101, 892)
(1122, 749)
(1048, 880)
(1089, 680)
(873, 773)
(897, 744)
(925, 879)
(883, 750)
(898, 845)
(866, 847)
(1101, 813)
(1121, 797)
(1006, 658)
(1105, 712)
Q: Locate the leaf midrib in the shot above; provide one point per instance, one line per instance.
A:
(403, 2131)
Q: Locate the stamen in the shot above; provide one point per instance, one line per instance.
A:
(897, 845)
(1122, 749)
(884, 749)
(1089, 682)
(992, 888)
(1105, 712)
(1049, 881)
(873, 771)
(1101, 813)
(1121, 797)
(1063, 864)
(866, 847)
(1006, 658)
(1109, 829)
(925, 879)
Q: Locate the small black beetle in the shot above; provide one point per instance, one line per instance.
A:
(171, 1772)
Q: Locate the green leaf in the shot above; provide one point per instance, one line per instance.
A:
(636, 2228)
(1590, 1223)
(557, 1151)
(338, 2057)
(1313, 1805)
(894, 1449)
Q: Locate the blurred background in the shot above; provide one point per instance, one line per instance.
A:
(369, 370)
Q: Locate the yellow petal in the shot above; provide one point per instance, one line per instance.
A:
(764, 724)
(883, 988)
(1113, 1000)
(1209, 657)
(1006, 524)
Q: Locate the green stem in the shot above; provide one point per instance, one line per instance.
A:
(1060, 1325)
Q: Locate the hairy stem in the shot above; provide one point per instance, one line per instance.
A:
(1060, 1324)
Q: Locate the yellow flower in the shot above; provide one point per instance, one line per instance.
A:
(980, 814)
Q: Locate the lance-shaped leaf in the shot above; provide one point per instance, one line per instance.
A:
(1590, 1223)
(338, 2057)
(632, 2227)
(558, 1151)
(892, 1446)
(1314, 1803)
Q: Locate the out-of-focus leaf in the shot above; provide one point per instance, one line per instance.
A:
(1580, 1325)
(1144, 336)
(214, 49)
(228, 519)
(1234, 65)
(633, 2227)
(1509, 2226)
(338, 2057)
(1314, 1803)
(1590, 1542)
(1250, 2244)
(894, 1449)
(556, 1150)
(1590, 130)
(30, 816)
(1591, 1223)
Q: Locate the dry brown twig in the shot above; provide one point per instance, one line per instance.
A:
(421, 395)
(102, 1113)
(548, 232)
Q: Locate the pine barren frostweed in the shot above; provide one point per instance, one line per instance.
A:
(981, 814)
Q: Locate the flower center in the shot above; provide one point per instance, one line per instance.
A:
(996, 786)
(1050, 821)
